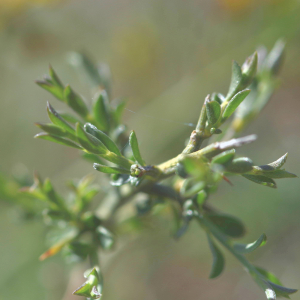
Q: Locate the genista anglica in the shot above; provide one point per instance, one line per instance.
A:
(96, 129)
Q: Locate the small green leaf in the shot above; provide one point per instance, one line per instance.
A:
(58, 120)
(54, 78)
(263, 180)
(229, 225)
(236, 79)
(224, 157)
(101, 111)
(203, 117)
(57, 139)
(274, 60)
(89, 142)
(92, 287)
(218, 259)
(191, 187)
(93, 158)
(232, 105)
(101, 136)
(69, 118)
(110, 170)
(275, 284)
(247, 248)
(201, 198)
(249, 69)
(52, 129)
(277, 164)
(135, 148)
(118, 112)
(213, 111)
(75, 102)
(52, 195)
(106, 238)
(54, 90)
(278, 174)
(240, 165)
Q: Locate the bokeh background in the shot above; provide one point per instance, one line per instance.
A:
(165, 56)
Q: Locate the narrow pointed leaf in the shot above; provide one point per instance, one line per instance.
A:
(118, 112)
(110, 170)
(218, 259)
(275, 284)
(75, 102)
(278, 174)
(232, 105)
(58, 120)
(101, 111)
(89, 142)
(101, 136)
(263, 180)
(69, 118)
(224, 157)
(247, 248)
(236, 79)
(229, 225)
(57, 139)
(135, 148)
(213, 111)
(249, 69)
(54, 78)
(54, 90)
(279, 162)
(52, 129)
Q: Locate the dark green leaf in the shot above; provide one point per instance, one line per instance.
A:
(106, 238)
(213, 111)
(101, 136)
(75, 102)
(234, 103)
(277, 174)
(247, 248)
(89, 142)
(263, 180)
(236, 79)
(110, 170)
(218, 259)
(56, 139)
(135, 148)
(224, 157)
(101, 111)
(229, 225)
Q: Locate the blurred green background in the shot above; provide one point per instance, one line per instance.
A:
(165, 56)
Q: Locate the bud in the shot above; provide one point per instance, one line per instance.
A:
(249, 69)
(240, 165)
